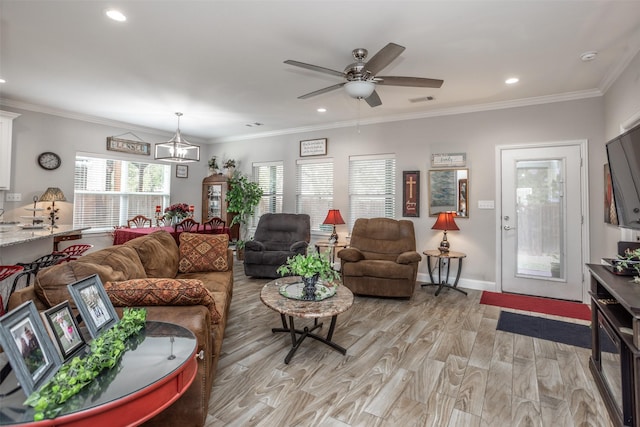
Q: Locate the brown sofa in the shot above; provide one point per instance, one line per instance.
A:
(154, 256)
(381, 259)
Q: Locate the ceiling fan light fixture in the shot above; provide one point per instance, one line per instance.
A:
(359, 89)
(177, 149)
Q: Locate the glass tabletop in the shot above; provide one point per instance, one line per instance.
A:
(156, 352)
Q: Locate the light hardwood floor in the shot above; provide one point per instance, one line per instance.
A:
(427, 361)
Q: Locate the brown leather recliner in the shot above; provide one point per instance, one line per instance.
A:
(382, 258)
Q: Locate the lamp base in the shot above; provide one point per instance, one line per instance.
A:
(444, 244)
(334, 236)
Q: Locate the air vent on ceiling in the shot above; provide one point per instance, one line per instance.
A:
(423, 99)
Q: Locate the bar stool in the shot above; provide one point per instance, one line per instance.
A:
(32, 268)
(7, 271)
(74, 252)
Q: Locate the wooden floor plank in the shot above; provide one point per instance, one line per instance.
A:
(424, 361)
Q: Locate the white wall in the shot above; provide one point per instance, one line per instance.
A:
(476, 134)
(34, 133)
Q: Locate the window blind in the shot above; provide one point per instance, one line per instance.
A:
(107, 192)
(314, 190)
(372, 187)
(270, 178)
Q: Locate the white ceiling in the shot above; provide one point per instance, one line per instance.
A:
(221, 62)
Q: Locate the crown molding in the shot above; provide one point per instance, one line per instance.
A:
(525, 102)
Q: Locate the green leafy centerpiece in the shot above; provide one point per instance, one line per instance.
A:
(105, 351)
(630, 261)
(310, 268)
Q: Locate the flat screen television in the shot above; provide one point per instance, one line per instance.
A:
(623, 153)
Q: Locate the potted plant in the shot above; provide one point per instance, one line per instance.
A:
(213, 165)
(310, 267)
(630, 261)
(230, 166)
(243, 196)
(176, 213)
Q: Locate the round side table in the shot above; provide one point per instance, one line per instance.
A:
(443, 282)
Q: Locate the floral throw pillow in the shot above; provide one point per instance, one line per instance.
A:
(153, 291)
(203, 252)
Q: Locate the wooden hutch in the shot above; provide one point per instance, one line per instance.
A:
(214, 202)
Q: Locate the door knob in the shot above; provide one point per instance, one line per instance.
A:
(508, 227)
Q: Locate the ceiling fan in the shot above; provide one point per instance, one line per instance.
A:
(361, 77)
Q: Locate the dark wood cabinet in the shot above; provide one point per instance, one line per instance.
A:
(214, 204)
(615, 343)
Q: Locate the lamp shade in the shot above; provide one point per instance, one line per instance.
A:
(359, 89)
(333, 217)
(445, 222)
(177, 149)
(53, 194)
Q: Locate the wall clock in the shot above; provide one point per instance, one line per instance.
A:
(49, 160)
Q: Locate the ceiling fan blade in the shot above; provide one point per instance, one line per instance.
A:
(384, 57)
(314, 68)
(321, 91)
(373, 100)
(408, 81)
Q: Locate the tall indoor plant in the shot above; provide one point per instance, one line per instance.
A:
(243, 197)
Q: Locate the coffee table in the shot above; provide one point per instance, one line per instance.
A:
(154, 372)
(332, 306)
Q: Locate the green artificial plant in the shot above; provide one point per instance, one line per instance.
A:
(309, 265)
(630, 260)
(242, 199)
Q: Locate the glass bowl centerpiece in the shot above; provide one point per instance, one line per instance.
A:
(310, 268)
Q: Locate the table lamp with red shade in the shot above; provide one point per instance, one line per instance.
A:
(333, 218)
(445, 222)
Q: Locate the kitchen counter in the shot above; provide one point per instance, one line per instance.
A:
(16, 236)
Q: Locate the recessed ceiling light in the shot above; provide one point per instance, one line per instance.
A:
(3, 81)
(589, 56)
(512, 80)
(321, 110)
(116, 15)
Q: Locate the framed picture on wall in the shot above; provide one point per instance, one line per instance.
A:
(411, 193)
(182, 171)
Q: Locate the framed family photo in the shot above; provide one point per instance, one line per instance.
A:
(93, 304)
(29, 348)
(63, 328)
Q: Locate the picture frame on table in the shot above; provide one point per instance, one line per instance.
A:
(29, 348)
(94, 305)
(63, 328)
(182, 171)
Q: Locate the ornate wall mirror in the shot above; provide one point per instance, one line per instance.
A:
(449, 191)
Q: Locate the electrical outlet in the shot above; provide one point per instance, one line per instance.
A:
(13, 197)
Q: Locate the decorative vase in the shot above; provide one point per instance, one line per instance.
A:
(230, 172)
(309, 290)
(213, 171)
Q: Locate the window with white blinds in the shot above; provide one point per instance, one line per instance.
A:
(270, 178)
(107, 192)
(372, 187)
(314, 190)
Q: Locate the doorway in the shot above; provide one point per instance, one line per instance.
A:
(542, 238)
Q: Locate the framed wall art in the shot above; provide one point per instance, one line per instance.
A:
(610, 213)
(128, 146)
(411, 193)
(93, 304)
(313, 147)
(182, 171)
(63, 328)
(29, 348)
